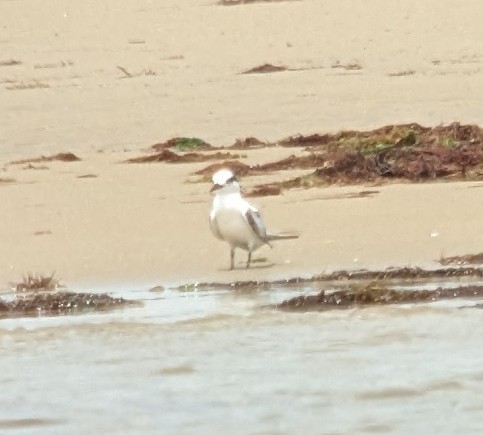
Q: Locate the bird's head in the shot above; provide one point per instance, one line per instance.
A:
(225, 181)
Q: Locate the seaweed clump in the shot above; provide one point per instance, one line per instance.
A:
(461, 260)
(62, 302)
(39, 295)
(183, 144)
(248, 143)
(373, 294)
(264, 190)
(62, 157)
(265, 68)
(169, 156)
(391, 273)
(235, 166)
(406, 152)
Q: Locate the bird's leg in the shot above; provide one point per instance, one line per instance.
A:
(232, 258)
(249, 259)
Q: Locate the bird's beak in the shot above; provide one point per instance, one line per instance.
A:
(216, 187)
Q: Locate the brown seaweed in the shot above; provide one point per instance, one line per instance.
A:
(264, 190)
(10, 62)
(63, 157)
(171, 157)
(183, 144)
(461, 260)
(374, 294)
(453, 152)
(407, 152)
(248, 143)
(265, 68)
(349, 66)
(62, 302)
(356, 139)
(391, 273)
(7, 180)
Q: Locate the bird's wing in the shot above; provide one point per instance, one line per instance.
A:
(214, 226)
(253, 217)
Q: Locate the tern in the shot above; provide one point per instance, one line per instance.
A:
(235, 221)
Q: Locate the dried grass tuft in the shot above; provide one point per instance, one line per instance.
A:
(35, 282)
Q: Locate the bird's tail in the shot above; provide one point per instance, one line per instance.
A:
(282, 236)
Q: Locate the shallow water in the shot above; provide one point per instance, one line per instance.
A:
(221, 362)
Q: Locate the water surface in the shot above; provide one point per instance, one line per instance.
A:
(221, 362)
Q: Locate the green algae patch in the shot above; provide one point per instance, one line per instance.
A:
(188, 143)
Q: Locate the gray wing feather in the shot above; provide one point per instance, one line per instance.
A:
(254, 218)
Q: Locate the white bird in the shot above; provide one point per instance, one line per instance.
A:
(236, 221)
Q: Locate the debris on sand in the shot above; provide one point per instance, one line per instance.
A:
(248, 143)
(461, 260)
(265, 68)
(374, 294)
(293, 162)
(63, 157)
(351, 195)
(303, 141)
(7, 180)
(349, 66)
(10, 62)
(129, 75)
(171, 157)
(264, 190)
(238, 168)
(183, 144)
(402, 73)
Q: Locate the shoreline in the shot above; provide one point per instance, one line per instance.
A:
(144, 223)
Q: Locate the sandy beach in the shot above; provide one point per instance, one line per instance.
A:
(107, 81)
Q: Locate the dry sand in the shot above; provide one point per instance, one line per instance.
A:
(354, 64)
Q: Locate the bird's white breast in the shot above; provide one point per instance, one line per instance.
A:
(229, 213)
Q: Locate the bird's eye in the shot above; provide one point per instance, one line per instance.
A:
(231, 180)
